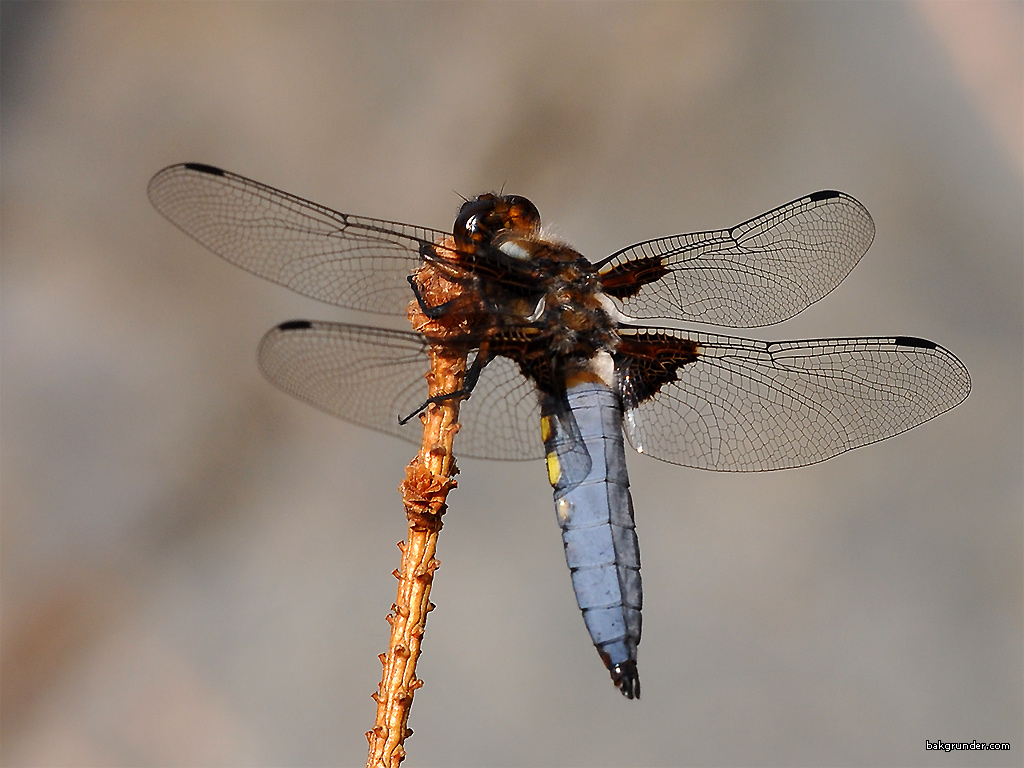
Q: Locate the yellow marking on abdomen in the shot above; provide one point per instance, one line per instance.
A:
(547, 428)
(554, 468)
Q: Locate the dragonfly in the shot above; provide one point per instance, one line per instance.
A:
(593, 352)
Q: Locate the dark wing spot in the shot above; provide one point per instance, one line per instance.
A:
(650, 360)
(912, 341)
(295, 325)
(825, 194)
(625, 280)
(203, 168)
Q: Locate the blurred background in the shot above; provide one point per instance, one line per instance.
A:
(196, 568)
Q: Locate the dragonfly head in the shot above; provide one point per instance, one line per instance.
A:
(513, 217)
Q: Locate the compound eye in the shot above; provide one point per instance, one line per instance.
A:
(472, 222)
(521, 214)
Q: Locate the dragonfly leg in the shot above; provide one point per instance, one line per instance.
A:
(468, 385)
(432, 312)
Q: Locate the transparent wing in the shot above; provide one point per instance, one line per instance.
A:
(501, 419)
(373, 376)
(753, 405)
(350, 261)
(760, 272)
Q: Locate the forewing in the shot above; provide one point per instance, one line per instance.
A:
(373, 376)
(751, 405)
(350, 261)
(759, 272)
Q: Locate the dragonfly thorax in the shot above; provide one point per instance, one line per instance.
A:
(577, 329)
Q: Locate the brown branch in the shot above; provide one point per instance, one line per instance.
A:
(428, 478)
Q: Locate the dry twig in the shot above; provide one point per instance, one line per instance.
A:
(428, 478)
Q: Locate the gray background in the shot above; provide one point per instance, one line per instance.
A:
(196, 568)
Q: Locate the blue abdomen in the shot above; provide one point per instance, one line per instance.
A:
(587, 469)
